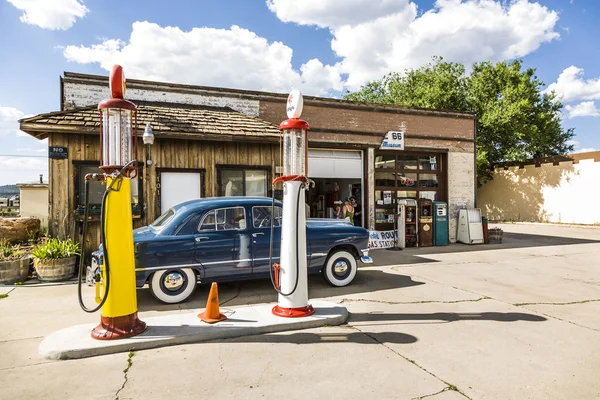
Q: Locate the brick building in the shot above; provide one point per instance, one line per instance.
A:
(217, 142)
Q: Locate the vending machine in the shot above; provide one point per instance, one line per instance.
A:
(425, 222)
(440, 223)
(408, 212)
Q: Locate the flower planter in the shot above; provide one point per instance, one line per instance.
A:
(14, 271)
(55, 270)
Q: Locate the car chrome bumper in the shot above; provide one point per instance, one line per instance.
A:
(366, 258)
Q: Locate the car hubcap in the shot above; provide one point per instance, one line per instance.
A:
(340, 267)
(173, 281)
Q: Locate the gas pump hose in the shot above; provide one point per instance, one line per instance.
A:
(102, 240)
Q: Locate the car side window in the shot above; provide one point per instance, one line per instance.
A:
(261, 217)
(224, 219)
(233, 218)
(208, 222)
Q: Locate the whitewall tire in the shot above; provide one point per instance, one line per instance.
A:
(173, 285)
(340, 269)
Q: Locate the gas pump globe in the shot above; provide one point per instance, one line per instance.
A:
(118, 119)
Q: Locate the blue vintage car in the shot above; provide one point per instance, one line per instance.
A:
(228, 238)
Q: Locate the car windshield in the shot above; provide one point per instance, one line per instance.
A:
(163, 219)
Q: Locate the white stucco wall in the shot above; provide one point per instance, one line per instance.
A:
(34, 203)
(461, 186)
(564, 193)
(84, 95)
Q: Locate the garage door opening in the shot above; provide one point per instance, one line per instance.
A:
(338, 175)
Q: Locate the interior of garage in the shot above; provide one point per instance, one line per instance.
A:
(338, 175)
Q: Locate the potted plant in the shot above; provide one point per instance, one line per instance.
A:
(14, 263)
(55, 259)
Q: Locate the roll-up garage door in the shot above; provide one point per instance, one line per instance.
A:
(336, 164)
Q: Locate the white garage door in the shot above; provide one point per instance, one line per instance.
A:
(337, 164)
(177, 187)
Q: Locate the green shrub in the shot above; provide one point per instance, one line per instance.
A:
(8, 252)
(53, 249)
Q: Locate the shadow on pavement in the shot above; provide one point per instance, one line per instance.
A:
(298, 337)
(446, 317)
(261, 291)
(413, 255)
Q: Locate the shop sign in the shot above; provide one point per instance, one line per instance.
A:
(382, 239)
(393, 140)
(57, 152)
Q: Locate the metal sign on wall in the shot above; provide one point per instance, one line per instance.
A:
(57, 152)
(393, 140)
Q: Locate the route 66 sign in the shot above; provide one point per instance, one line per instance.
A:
(393, 140)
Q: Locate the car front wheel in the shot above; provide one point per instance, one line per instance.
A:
(340, 269)
(173, 285)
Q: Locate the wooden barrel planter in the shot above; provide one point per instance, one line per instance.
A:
(55, 270)
(14, 271)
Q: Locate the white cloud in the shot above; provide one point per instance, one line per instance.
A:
(584, 109)
(585, 150)
(9, 121)
(233, 57)
(333, 13)
(50, 14)
(571, 86)
(376, 37)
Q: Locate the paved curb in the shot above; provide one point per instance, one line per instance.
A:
(75, 342)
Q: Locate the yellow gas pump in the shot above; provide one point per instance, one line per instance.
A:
(118, 148)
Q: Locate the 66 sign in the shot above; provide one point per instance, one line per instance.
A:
(393, 140)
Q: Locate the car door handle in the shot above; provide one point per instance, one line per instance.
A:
(200, 238)
(257, 234)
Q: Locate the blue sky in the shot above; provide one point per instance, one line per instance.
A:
(322, 47)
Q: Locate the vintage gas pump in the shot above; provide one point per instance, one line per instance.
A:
(118, 150)
(290, 277)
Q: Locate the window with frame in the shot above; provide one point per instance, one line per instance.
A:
(261, 217)
(405, 176)
(96, 189)
(242, 181)
(224, 219)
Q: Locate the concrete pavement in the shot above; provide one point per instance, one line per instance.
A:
(518, 320)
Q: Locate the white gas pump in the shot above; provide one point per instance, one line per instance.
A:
(290, 277)
(401, 232)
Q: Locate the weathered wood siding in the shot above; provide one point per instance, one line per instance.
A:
(165, 153)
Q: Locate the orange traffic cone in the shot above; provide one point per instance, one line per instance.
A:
(212, 314)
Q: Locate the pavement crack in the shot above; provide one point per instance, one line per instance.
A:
(435, 394)
(449, 386)
(125, 371)
(415, 302)
(557, 304)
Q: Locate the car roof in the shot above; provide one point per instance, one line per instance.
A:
(216, 202)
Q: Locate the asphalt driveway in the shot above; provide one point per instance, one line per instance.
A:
(517, 320)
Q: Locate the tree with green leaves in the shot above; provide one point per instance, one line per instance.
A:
(515, 119)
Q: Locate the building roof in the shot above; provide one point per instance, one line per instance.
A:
(88, 79)
(170, 120)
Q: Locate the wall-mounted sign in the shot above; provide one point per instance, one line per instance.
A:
(393, 140)
(57, 152)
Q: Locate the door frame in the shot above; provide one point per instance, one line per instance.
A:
(159, 171)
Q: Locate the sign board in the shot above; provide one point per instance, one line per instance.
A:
(393, 140)
(382, 239)
(295, 103)
(58, 153)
